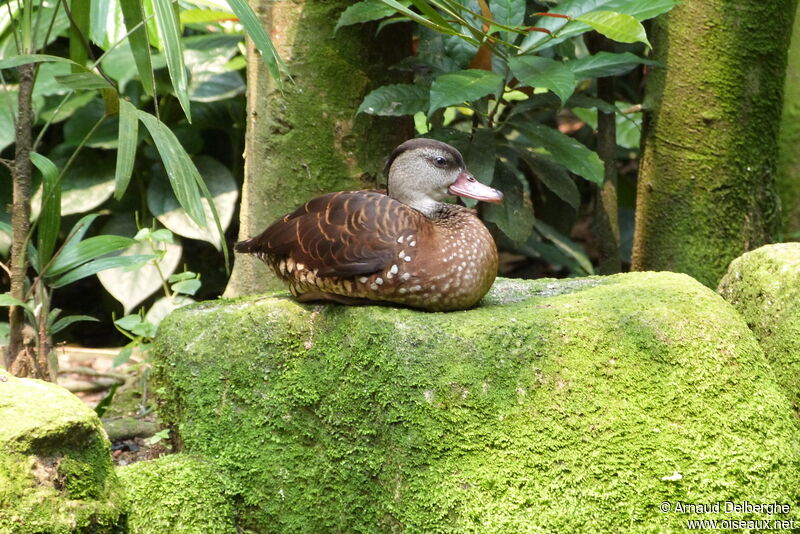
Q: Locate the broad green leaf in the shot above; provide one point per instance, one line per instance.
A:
(261, 40)
(629, 125)
(98, 265)
(163, 204)
(480, 156)
(126, 151)
(24, 59)
(207, 57)
(87, 250)
(509, 13)
(164, 306)
(8, 300)
(565, 245)
(365, 11)
(606, 64)
(544, 72)
(459, 87)
(187, 287)
(182, 173)
(617, 26)
(395, 100)
(130, 287)
(50, 216)
(107, 26)
(639, 9)
(133, 13)
(551, 174)
(569, 152)
(80, 81)
(64, 322)
(514, 216)
(169, 31)
(80, 10)
(8, 103)
(129, 322)
(180, 277)
(87, 184)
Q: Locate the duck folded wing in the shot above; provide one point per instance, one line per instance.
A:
(341, 234)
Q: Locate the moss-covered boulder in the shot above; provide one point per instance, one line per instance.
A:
(556, 406)
(764, 287)
(56, 474)
(176, 494)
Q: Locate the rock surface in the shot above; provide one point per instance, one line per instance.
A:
(56, 473)
(556, 406)
(176, 494)
(764, 287)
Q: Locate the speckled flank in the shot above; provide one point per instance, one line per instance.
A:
(458, 268)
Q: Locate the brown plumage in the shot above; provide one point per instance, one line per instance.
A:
(406, 247)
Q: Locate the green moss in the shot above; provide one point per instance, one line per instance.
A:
(556, 406)
(764, 287)
(706, 191)
(178, 494)
(55, 468)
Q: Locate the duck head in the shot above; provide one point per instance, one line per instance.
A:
(425, 172)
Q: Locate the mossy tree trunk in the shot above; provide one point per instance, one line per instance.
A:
(788, 181)
(306, 139)
(706, 185)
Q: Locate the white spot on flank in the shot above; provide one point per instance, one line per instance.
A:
(412, 244)
(402, 291)
(379, 280)
(460, 268)
(363, 279)
(415, 288)
(401, 253)
(300, 266)
(407, 258)
(393, 270)
(400, 239)
(373, 287)
(405, 276)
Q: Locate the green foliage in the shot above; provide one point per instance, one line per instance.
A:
(494, 78)
(88, 104)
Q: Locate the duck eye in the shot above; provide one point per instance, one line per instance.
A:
(439, 161)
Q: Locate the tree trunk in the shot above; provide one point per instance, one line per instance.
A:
(20, 216)
(307, 139)
(788, 178)
(706, 191)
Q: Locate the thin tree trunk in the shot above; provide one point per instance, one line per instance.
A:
(788, 178)
(306, 139)
(20, 211)
(706, 185)
(606, 219)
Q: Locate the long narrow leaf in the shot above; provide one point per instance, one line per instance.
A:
(260, 38)
(100, 264)
(79, 31)
(64, 322)
(169, 31)
(83, 81)
(126, 149)
(23, 59)
(182, 173)
(441, 28)
(50, 214)
(8, 300)
(215, 213)
(87, 250)
(133, 13)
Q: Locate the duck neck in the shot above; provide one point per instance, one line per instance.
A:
(430, 208)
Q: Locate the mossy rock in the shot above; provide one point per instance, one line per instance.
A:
(556, 406)
(56, 474)
(176, 494)
(764, 287)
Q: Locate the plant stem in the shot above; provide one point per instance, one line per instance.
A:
(20, 210)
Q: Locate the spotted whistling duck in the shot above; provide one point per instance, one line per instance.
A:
(404, 246)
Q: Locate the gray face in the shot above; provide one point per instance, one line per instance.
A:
(420, 172)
